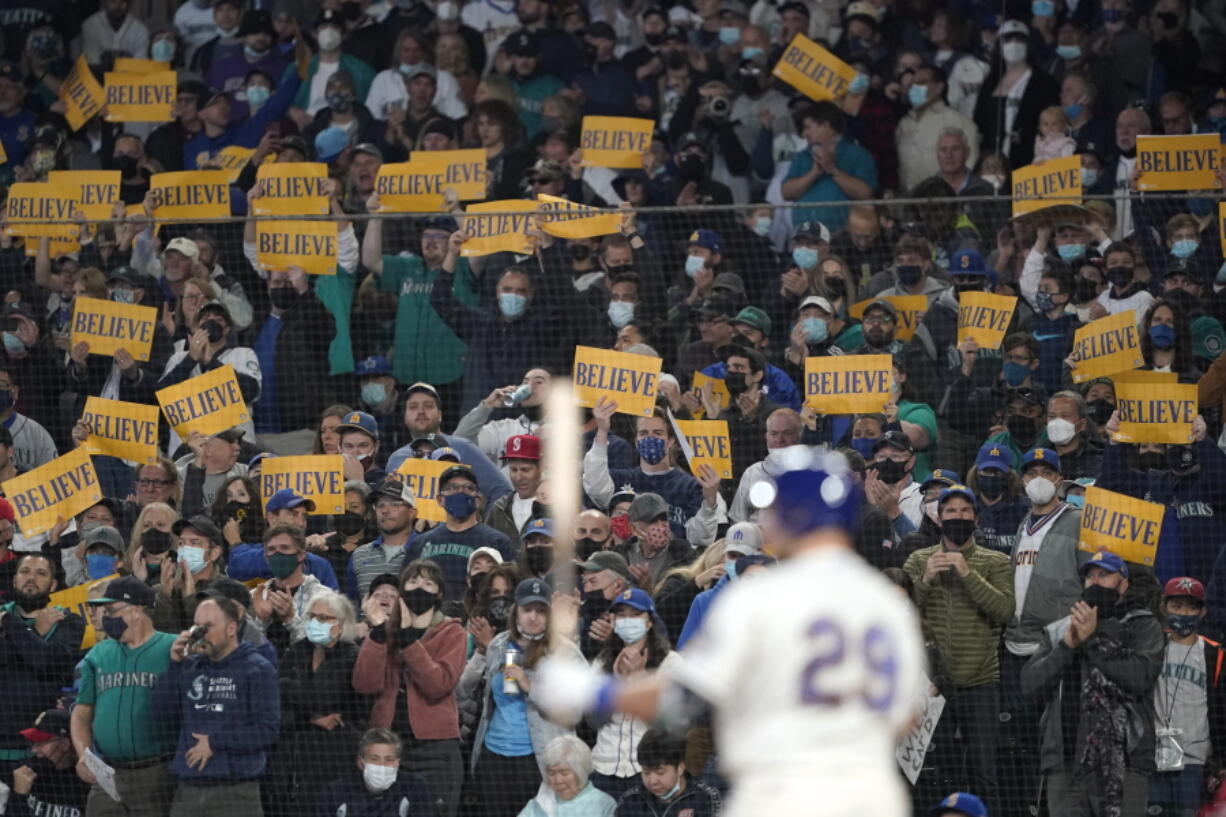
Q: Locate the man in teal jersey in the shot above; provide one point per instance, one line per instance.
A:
(114, 705)
(39, 644)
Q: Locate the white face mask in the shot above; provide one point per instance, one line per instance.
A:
(1013, 52)
(1060, 431)
(1040, 490)
(329, 39)
(378, 778)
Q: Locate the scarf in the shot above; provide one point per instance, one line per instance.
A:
(1105, 712)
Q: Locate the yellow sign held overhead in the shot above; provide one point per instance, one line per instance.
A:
(132, 65)
(419, 185)
(421, 476)
(985, 317)
(319, 478)
(42, 209)
(108, 326)
(719, 390)
(191, 194)
(632, 381)
(709, 442)
(310, 245)
(565, 219)
(139, 97)
(208, 403)
(119, 429)
(848, 384)
(615, 141)
(292, 189)
(1056, 182)
(1187, 162)
(61, 489)
(498, 226)
(98, 190)
(1155, 412)
(1106, 346)
(813, 70)
(81, 94)
(1126, 526)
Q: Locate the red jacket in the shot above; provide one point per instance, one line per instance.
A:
(432, 666)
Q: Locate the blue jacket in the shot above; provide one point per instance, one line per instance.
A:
(248, 562)
(779, 387)
(248, 133)
(698, 610)
(236, 702)
(490, 480)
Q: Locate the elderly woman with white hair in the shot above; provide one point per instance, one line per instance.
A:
(569, 792)
(322, 716)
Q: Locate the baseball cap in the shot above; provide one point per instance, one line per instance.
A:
(215, 308)
(808, 489)
(446, 452)
(227, 588)
(6, 510)
(1040, 455)
(484, 551)
(394, 489)
(374, 365)
(432, 439)
(200, 524)
(707, 238)
(444, 224)
(607, 560)
(636, 598)
(533, 590)
(941, 475)
(183, 245)
(126, 275)
(820, 303)
(284, 499)
(881, 304)
(330, 17)
(994, 455)
(458, 470)
(647, 508)
(734, 7)
(50, 724)
(522, 43)
(625, 494)
(813, 231)
(600, 29)
(1015, 27)
(958, 490)
(537, 527)
(728, 282)
(389, 579)
(422, 68)
(1184, 586)
(1034, 394)
(128, 589)
(717, 306)
(799, 8)
(10, 70)
(744, 538)
(230, 435)
(1107, 561)
(755, 317)
(968, 262)
(522, 447)
(258, 458)
(894, 439)
(361, 421)
(256, 21)
(105, 535)
(424, 388)
(20, 308)
(329, 143)
(961, 802)
(862, 10)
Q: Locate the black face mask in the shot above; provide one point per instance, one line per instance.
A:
(589, 53)
(498, 610)
(349, 523)
(237, 510)
(351, 11)
(127, 165)
(580, 252)
(474, 581)
(675, 60)
(958, 531)
(691, 168)
(214, 330)
(836, 287)
(155, 542)
(1084, 290)
(418, 600)
(1152, 461)
(1131, 153)
(283, 297)
(594, 602)
(1119, 276)
(539, 559)
(735, 381)
(1100, 410)
(1102, 599)
(1022, 428)
(585, 547)
(889, 471)
(991, 485)
(653, 39)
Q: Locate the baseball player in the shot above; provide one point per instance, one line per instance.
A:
(812, 668)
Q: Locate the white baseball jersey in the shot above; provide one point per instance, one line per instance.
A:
(813, 669)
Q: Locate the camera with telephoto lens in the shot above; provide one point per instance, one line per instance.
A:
(719, 107)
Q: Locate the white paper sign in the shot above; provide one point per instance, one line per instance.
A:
(911, 749)
(103, 773)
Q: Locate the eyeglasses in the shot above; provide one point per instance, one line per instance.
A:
(154, 483)
(323, 617)
(876, 320)
(464, 488)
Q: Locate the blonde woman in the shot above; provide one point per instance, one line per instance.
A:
(152, 554)
(678, 588)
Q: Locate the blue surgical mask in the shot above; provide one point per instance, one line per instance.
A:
(1071, 252)
(1162, 336)
(620, 313)
(511, 304)
(816, 329)
(254, 54)
(1015, 373)
(319, 633)
(671, 793)
(1068, 52)
(694, 265)
(162, 51)
(257, 95)
(1042, 8)
(729, 35)
(630, 630)
(805, 257)
(917, 95)
(1073, 111)
(373, 393)
(858, 85)
(752, 52)
(123, 296)
(14, 344)
(194, 558)
(1218, 123)
(408, 68)
(651, 449)
(98, 565)
(1076, 500)
(762, 226)
(1089, 177)
(1184, 247)
(864, 446)
(461, 506)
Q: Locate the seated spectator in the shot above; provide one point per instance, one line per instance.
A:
(665, 778)
(379, 786)
(568, 767)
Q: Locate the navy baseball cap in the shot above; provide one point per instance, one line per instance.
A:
(808, 489)
(1107, 561)
(533, 590)
(961, 803)
(707, 238)
(942, 475)
(127, 589)
(636, 598)
(958, 490)
(285, 498)
(968, 262)
(1046, 455)
(374, 365)
(537, 527)
(994, 455)
(361, 421)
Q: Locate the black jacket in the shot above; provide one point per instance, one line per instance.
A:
(33, 669)
(698, 800)
(349, 797)
(59, 792)
(301, 362)
(307, 693)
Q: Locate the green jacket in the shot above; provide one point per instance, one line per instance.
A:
(532, 94)
(363, 75)
(424, 348)
(965, 616)
(336, 294)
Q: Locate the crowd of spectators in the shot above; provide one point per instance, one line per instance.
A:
(254, 656)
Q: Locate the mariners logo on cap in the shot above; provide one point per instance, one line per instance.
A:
(354, 417)
(995, 452)
(694, 236)
(515, 443)
(1097, 557)
(739, 535)
(966, 261)
(628, 594)
(1038, 454)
